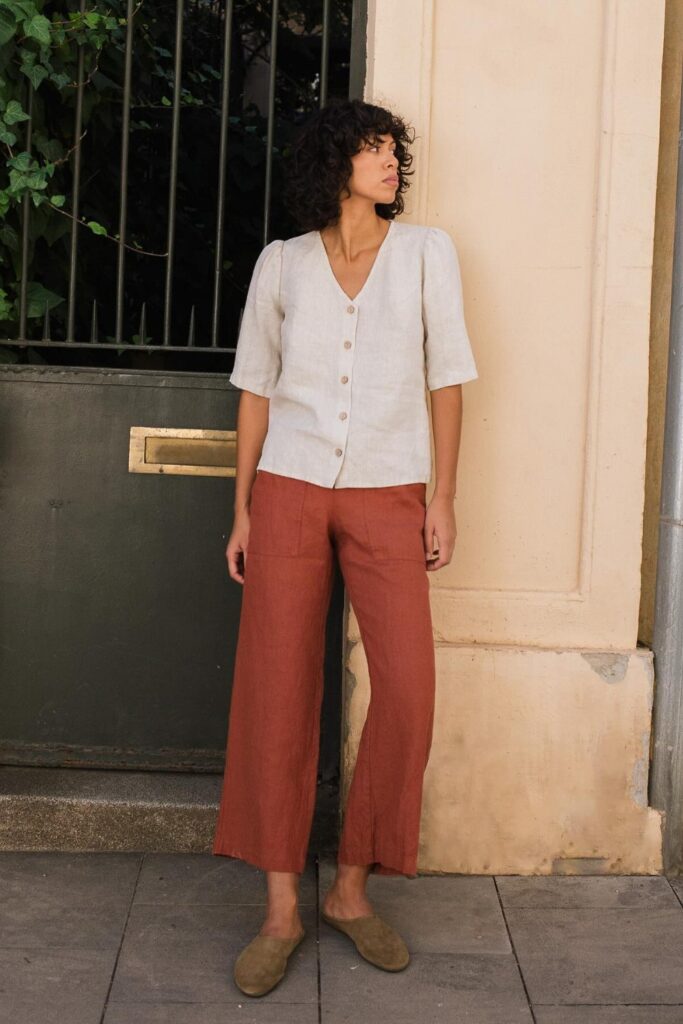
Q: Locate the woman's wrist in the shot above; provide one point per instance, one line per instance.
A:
(445, 493)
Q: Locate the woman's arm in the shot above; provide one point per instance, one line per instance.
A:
(252, 426)
(449, 362)
(447, 428)
(256, 370)
(440, 529)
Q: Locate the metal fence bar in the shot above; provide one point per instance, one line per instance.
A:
(324, 52)
(222, 167)
(271, 119)
(25, 220)
(358, 63)
(173, 180)
(75, 203)
(123, 195)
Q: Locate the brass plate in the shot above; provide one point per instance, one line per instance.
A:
(182, 450)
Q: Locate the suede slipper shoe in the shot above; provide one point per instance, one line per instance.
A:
(262, 963)
(375, 940)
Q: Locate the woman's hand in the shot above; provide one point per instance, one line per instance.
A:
(439, 532)
(236, 551)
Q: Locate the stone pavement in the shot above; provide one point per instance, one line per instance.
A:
(126, 938)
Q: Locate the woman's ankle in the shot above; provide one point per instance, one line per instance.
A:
(351, 878)
(283, 890)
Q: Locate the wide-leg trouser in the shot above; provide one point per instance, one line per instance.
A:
(269, 786)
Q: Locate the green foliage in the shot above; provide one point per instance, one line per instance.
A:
(39, 53)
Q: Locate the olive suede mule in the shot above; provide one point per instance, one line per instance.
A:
(262, 963)
(375, 940)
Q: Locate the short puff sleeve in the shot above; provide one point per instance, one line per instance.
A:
(448, 352)
(258, 359)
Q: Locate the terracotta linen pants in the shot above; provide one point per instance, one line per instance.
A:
(269, 786)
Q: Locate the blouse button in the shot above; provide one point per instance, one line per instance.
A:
(342, 415)
(344, 379)
(337, 451)
(350, 309)
(347, 344)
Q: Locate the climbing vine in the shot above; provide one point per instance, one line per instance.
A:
(39, 66)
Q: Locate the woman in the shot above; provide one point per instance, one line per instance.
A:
(345, 328)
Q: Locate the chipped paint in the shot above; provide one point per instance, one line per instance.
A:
(610, 667)
(580, 865)
(640, 772)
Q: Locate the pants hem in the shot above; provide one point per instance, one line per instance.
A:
(257, 862)
(381, 867)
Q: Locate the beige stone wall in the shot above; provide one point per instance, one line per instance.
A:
(538, 130)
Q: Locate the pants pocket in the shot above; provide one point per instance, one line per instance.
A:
(394, 521)
(275, 515)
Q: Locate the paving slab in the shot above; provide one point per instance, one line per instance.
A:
(37, 922)
(433, 988)
(614, 891)
(649, 1014)
(70, 900)
(600, 955)
(54, 986)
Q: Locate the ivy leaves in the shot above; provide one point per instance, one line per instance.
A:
(44, 52)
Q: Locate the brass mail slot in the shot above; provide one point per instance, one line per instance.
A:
(182, 450)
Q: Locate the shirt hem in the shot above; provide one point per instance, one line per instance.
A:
(449, 381)
(301, 475)
(246, 385)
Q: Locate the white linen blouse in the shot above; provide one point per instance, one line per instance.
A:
(347, 377)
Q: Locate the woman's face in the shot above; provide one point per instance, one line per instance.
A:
(375, 171)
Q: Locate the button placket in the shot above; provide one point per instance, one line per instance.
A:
(345, 378)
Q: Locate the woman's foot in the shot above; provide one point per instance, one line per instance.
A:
(262, 964)
(283, 925)
(347, 908)
(346, 896)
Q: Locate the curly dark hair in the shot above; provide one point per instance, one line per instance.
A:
(318, 165)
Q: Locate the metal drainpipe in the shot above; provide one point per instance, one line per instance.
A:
(666, 776)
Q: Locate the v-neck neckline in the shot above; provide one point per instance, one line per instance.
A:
(370, 273)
